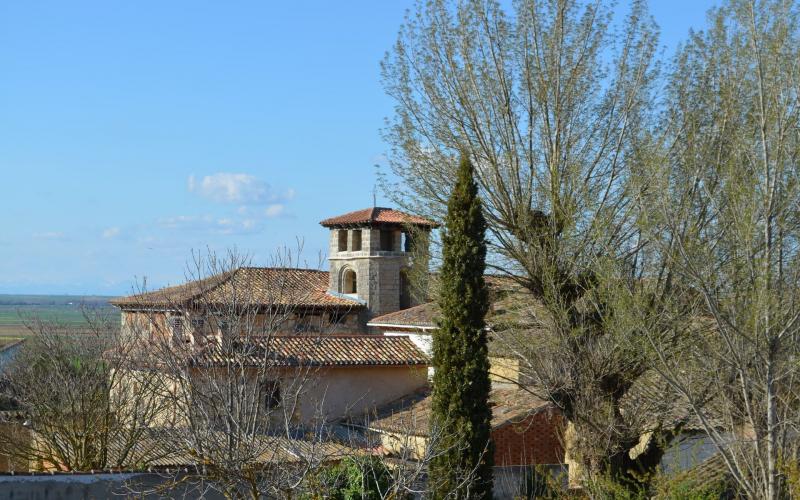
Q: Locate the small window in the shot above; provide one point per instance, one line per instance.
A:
(337, 317)
(349, 282)
(356, 240)
(176, 324)
(405, 290)
(342, 240)
(306, 324)
(387, 240)
(272, 394)
(198, 323)
(408, 242)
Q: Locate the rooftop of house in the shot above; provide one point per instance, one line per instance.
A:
(319, 350)
(709, 475)
(160, 449)
(422, 317)
(411, 414)
(505, 304)
(377, 216)
(262, 286)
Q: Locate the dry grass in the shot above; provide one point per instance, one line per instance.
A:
(13, 331)
(7, 341)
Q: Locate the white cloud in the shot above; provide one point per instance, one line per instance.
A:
(274, 210)
(179, 221)
(111, 232)
(229, 187)
(49, 235)
(225, 187)
(207, 223)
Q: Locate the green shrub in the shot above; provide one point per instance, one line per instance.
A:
(354, 478)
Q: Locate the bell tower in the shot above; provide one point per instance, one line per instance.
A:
(369, 255)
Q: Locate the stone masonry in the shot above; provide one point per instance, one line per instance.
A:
(377, 271)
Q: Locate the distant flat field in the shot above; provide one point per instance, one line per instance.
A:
(5, 341)
(12, 331)
(66, 309)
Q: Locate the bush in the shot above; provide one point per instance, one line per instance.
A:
(354, 478)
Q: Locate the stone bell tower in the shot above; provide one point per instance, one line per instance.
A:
(369, 256)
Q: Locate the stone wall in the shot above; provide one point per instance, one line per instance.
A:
(377, 271)
(67, 486)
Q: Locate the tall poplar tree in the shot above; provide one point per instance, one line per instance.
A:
(554, 100)
(462, 455)
(723, 205)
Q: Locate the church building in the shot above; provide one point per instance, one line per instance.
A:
(370, 251)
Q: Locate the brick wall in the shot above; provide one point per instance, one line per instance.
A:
(534, 440)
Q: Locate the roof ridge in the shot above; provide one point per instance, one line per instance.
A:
(224, 277)
(378, 215)
(277, 268)
(342, 336)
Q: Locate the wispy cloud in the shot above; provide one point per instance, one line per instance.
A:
(49, 235)
(111, 232)
(183, 221)
(253, 199)
(219, 225)
(275, 210)
(229, 187)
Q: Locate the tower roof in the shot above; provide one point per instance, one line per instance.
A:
(377, 215)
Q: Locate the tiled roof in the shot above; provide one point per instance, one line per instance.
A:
(12, 416)
(421, 316)
(264, 286)
(712, 474)
(501, 291)
(163, 448)
(411, 414)
(377, 215)
(320, 350)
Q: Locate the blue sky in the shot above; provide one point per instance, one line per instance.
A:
(134, 132)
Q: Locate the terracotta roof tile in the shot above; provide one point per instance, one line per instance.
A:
(262, 286)
(411, 414)
(425, 315)
(377, 215)
(709, 475)
(421, 316)
(163, 448)
(321, 350)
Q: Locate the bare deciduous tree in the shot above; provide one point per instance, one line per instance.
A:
(553, 103)
(240, 416)
(63, 384)
(723, 207)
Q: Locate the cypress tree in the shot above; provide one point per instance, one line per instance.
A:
(462, 454)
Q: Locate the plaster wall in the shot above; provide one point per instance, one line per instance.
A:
(336, 392)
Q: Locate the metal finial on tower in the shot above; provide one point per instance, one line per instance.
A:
(374, 196)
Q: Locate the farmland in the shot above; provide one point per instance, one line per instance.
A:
(15, 310)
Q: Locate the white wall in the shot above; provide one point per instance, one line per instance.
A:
(423, 341)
